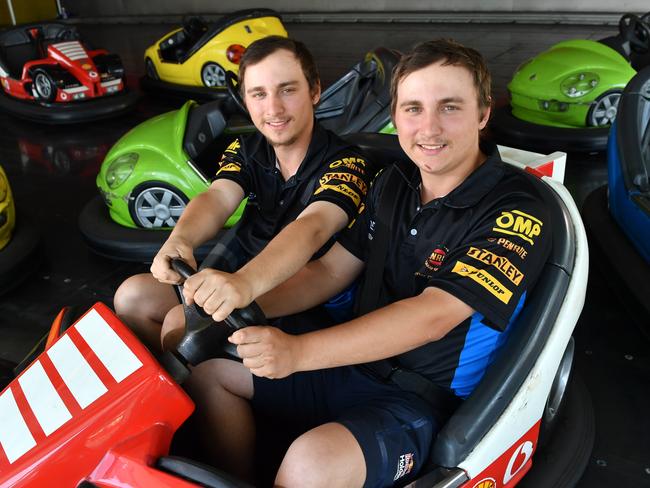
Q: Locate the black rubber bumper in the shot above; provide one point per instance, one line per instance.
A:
(70, 113)
(166, 89)
(21, 256)
(628, 275)
(508, 130)
(109, 239)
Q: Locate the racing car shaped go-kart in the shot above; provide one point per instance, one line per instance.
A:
(567, 96)
(19, 240)
(95, 409)
(618, 215)
(192, 61)
(49, 75)
(151, 173)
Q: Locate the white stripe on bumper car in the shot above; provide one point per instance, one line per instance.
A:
(15, 437)
(116, 356)
(49, 409)
(84, 384)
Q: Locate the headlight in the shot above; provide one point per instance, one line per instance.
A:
(120, 169)
(579, 85)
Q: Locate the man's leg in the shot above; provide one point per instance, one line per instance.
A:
(221, 389)
(327, 456)
(173, 328)
(142, 302)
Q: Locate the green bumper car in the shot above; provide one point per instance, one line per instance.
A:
(567, 96)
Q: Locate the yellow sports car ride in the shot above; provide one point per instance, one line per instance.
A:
(7, 210)
(197, 55)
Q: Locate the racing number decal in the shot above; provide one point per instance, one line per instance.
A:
(525, 449)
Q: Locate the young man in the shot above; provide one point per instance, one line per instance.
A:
(303, 184)
(369, 395)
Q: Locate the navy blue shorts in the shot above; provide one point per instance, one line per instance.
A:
(394, 428)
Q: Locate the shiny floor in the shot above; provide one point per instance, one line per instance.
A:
(52, 172)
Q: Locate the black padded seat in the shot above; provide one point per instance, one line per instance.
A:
(204, 124)
(360, 100)
(199, 473)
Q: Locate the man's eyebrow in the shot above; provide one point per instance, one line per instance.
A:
(281, 85)
(407, 103)
(452, 100)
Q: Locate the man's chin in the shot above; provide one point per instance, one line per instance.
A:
(281, 141)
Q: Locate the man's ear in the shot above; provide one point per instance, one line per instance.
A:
(315, 94)
(485, 116)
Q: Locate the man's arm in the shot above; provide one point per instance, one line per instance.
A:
(203, 217)
(391, 330)
(220, 293)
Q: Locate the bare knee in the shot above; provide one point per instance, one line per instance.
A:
(217, 376)
(128, 297)
(327, 456)
(173, 328)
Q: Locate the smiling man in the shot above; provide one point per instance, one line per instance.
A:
(441, 288)
(303, 185)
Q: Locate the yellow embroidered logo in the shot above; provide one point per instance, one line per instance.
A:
(229, 167)
(342, 188)
(516, 223)
(356, 164)
(234, 145)
(501, 263)
(485, 279)
(347, 177)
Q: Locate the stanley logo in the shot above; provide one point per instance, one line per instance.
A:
(346, 177)
(502, 264)
(516, 223)
(485, 279)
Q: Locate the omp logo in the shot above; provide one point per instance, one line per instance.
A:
(356, 164)
(485, 279)
(516, 223)
(486, 483)
(510, 246)
(230, 167)
(342, 188)
(234, 146)
(347, 177)
(499, 262)
(525, 450)
(40, 395)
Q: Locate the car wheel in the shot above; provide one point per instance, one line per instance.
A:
(44, 87)
(603, 111)
(150, 69)
(156, 205)
(213, 75)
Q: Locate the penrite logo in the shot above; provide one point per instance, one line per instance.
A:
(485, 279)
(510, 246)
(356, 164)
(517, 223)
(501, 263)
(434, 261)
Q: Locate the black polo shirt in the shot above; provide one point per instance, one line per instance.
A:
(332, 170)
(485, 243)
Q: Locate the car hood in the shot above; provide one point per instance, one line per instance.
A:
(546, 71)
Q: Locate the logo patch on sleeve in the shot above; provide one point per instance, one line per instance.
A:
(520, 224)
(230, 167)
(357, 164)
(501, 263)
(485, 279)
(342, 188)
(234, 146)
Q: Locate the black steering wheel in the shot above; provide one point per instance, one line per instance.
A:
(204, 338)
(232, 85)
(67, 34)
(194, 27)
(635, 31)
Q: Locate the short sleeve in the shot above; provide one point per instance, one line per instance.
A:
(499, 259)
(232, 166)
(344, 182)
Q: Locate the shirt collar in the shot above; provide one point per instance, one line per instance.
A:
(473, 188)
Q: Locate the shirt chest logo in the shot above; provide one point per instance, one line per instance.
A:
(434, 261)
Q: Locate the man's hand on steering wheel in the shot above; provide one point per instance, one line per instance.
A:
(174, 247)
(218, 293)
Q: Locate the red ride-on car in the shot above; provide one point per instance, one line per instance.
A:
(48, 74)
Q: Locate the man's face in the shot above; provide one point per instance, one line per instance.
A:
(438, 119)
(278, 99)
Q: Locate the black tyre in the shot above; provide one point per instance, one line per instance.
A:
(43, 87)
(213, 75)
(156, 205)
